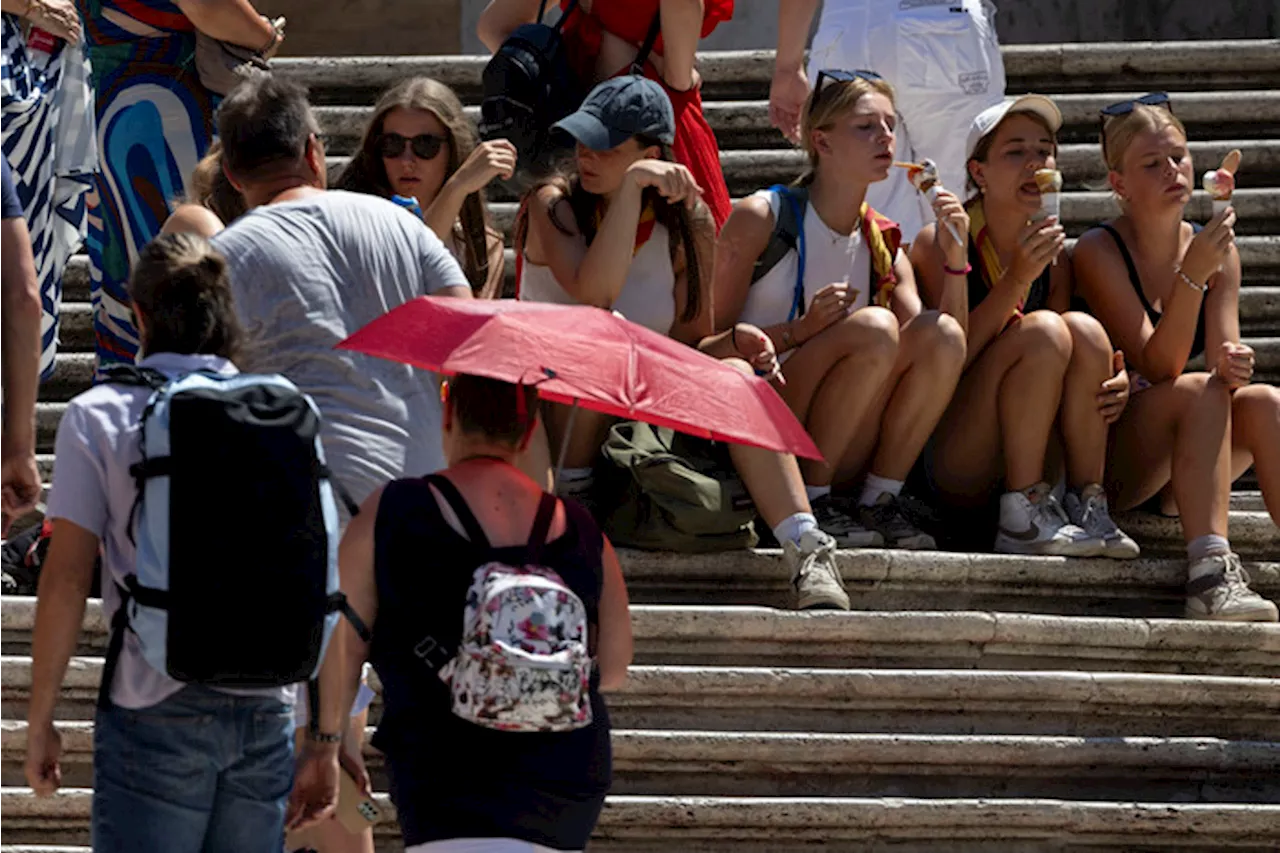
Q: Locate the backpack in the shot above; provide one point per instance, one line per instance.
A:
(528, 86)
(678, 497)
(248, 611)
(523, 664)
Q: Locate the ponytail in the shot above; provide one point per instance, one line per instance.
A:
(180, 287)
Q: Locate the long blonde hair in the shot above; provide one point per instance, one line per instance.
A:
(365, 172)
(823, 107)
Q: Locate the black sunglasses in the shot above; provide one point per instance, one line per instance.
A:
(425, 145)
(838, 75)
(1121, 108)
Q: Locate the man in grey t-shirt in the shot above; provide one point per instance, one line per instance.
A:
(310, 267)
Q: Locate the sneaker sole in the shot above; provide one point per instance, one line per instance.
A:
(822, 603)
(1050, 548)
(1122, 551)
(1257, 614)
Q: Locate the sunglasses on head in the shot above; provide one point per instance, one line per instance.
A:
(1123, 108)
(838, 75)
(425, 145)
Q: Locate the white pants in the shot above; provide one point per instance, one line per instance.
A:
(942, 58)
(480, 845)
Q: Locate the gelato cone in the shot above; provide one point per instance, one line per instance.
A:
(1221, 183)
(924, 177)
(1049, 182)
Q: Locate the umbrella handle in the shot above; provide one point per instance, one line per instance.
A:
(564, 445)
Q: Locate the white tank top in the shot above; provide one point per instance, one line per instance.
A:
(648, 295)
(828, 257)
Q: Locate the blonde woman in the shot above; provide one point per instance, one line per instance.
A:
(1168, 291)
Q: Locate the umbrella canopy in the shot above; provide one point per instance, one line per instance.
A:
(589, 356)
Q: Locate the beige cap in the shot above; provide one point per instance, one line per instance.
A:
(989, 118)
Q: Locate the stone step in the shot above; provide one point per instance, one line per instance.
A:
(793, 824)
(1164, 535)
(917, 701)
(1050, 68)
(760, 636)
(791, 764)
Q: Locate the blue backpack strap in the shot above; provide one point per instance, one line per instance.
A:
(788, 235)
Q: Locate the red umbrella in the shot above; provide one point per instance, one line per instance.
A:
(577, 354)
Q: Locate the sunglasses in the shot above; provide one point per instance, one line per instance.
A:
(837, 75)
(1123, 108)
(425, 145)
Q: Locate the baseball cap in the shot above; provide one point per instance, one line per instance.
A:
(618, 109)
(989, 118)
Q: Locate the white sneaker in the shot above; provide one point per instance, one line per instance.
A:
(1218, 589)
(814, 572)
(841, 526)
(1032, 522)
(1088, 510)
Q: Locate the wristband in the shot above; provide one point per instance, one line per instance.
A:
(968, 268)
(316, 736)
(1203, 288)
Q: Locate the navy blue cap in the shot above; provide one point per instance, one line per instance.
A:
(618, 109)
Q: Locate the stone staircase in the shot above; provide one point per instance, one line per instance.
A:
(972, 702)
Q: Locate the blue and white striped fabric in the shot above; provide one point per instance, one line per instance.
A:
(49, 141)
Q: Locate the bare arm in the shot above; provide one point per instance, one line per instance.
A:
(234, 21)
(790, 85)
(615, 646)
(20, 341)
(940, 290)
(795, 18)
(1222, 310)
(58, 17)
(500, 19)
(905, 300)
(192, 219)
(742, 240)
(681, 29)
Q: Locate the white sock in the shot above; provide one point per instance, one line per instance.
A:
(815, 492)
(576, 481)
(791, 528)
(875, 486)
(1206, 546)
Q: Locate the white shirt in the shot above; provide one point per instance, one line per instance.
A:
(648, 296)
(828, 257)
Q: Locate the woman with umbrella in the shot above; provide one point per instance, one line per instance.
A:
(627, 231)
(452, 778)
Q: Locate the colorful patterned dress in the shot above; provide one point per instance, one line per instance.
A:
(48, 140)
(155, 122)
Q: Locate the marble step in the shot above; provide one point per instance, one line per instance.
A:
(643, 824)
(729, 635)
(791, 764)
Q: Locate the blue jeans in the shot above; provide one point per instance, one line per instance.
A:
(200, 772)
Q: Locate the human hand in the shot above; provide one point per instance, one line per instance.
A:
(1039, 242)
(19, 487)
(1209, 248)
(953, 219)
(58, 17)
(756, 349)
(493, 159)
(673, 181)
(787, 94)
(1235, 364)
(830, 304)
(42, 767)
(1114, 395)
(315, 786)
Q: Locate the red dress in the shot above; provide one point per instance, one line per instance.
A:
(695, 145)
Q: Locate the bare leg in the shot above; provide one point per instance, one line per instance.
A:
(1255, 439)
(834, 379)
(590, 429)
(1177, 430)
(1084, 431)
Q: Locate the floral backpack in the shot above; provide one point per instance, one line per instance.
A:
(523, 664)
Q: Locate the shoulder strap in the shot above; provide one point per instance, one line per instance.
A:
(646, 47)
(132, 374)
(787, 229)
(541, 526)
(454, 498)
(1134, 279)
(564, 16)
(115, 644)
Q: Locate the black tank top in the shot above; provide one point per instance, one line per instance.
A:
(1197, 344)
(451, 778)
(1037, 298)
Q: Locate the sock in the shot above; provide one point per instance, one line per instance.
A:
(1207, 546)
(875, 486)
(576, 481)
(815, 492)
(791, 528)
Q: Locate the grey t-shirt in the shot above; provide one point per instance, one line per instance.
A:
(306, 274)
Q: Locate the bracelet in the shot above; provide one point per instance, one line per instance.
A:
(275, 37)
(788, 340)
(316, 736)
(1203, 288)
(968, 268)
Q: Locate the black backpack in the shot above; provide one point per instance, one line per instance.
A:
(529, 86)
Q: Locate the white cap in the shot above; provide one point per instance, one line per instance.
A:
(989, 118)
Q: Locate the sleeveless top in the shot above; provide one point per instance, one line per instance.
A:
(1037, 296)
(648, 296)
(1197, 344)
(451, 778)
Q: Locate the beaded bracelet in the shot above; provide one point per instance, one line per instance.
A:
(1203, 288)
(968, 268)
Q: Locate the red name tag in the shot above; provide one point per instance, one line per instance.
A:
(41, 40)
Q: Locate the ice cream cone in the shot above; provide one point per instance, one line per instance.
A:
(1221, 183)
(1049, 182)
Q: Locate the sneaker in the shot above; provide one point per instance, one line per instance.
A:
(888, 518)
(1218, 589)
(1088, 510)
(814, 573)
(847, 532)
(1032, 522)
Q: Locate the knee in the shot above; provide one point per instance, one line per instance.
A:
(1088, 339)
(1045, 336)
(1256, 408)
(1200, 389)
(739, 365)
(872, 333)
(936, 339)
